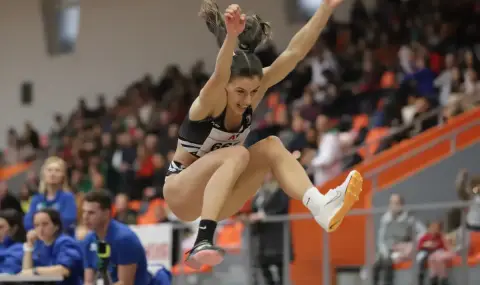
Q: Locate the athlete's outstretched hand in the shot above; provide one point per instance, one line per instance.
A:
(234, 20)
(333, 3)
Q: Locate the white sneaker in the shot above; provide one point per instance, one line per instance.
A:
(339, 201)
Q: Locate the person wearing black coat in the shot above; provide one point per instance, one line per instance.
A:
(269, 237)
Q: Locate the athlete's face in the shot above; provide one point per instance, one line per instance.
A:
(241, 91)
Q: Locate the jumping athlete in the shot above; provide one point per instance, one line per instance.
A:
(212, 174)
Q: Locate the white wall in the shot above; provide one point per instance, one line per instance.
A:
(120, 40)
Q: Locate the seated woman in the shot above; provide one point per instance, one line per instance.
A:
(50, 252)
(12, 237)
(434, 250)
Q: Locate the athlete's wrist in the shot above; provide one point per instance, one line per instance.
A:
(231, 37)
(326, 7)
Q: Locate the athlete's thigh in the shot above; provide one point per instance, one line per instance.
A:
(184, 191)
(249, 181)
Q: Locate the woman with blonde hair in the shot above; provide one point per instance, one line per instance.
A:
(54, 193)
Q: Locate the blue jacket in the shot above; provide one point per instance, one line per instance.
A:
(64, 251)
(11, 255)
(125, 249)
(424, 78)
(64, 202)
(162, 277)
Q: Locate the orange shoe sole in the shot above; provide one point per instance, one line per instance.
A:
(352, 195)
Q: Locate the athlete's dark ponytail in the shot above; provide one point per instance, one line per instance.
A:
(210, 12)
(245, 62)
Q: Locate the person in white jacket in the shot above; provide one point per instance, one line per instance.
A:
(327, 163)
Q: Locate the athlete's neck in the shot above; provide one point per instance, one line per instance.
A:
(232, 120)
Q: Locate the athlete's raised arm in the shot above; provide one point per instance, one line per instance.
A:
(300, 45)
(228, 27)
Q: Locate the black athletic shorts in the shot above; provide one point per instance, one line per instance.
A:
(174, 168)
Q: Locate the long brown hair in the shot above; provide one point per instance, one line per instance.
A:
(245, 62)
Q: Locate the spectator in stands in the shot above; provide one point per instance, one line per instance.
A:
(53, 193)
(160, 165)
(11, 152)
(12, 237)
(145, 169)
(444, 80)
(7, 200)
(269, 201)
(423, 78)
(468, 189)
(327, 163)
(25, 197)
(123, 213)
(432, 250)
(48, 251)
(396, 234)
(128, 262)
(32, 181)
(31, 136)
(423, 109)
(57, 132)
(295, 137)
(150, 211)
(123, 161)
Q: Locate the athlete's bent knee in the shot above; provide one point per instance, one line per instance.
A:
(239, 154)
(272, 143)
(274, 140)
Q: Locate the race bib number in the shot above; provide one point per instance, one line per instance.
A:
(222, 145)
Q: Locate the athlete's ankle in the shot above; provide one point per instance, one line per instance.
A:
(206, 231)
(313, 200)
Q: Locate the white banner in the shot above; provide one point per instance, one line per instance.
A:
(157, 241)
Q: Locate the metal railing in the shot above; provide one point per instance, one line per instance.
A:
(247, 264)
(229, 276)
(416, 123)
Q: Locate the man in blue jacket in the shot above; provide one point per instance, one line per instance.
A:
(122, 251)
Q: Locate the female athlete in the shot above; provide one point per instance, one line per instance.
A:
(212, 175)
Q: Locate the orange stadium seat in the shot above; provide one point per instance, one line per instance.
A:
(360, 121)
(229, 236)
(373, 140)
(150, 217)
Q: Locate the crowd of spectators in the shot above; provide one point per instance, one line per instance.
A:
(364, 83)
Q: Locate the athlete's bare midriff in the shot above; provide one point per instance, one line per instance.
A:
(183, 156)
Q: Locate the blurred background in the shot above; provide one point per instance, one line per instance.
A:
(392, 89)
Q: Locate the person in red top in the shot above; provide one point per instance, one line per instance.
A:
(433, 249)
